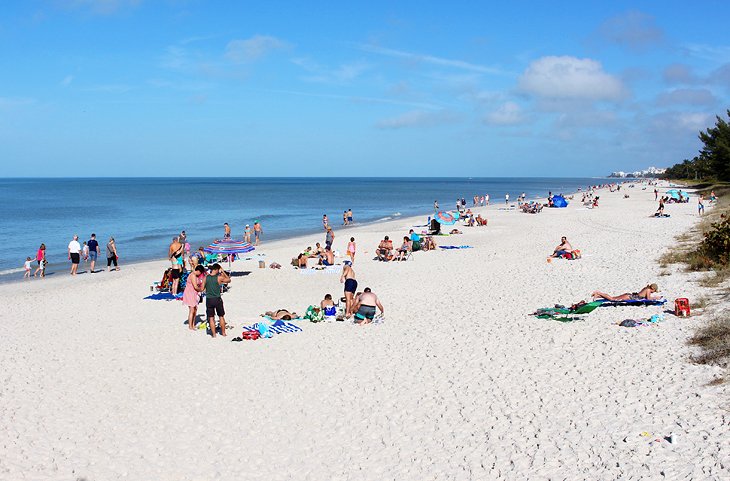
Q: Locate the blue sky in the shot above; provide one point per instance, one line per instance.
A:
(178, 88)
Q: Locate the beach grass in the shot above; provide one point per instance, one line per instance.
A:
(713, 339)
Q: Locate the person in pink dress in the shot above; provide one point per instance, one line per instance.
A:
(191, 295)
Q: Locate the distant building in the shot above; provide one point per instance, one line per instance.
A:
(651, 172)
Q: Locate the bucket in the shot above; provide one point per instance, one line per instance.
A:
(262, 265)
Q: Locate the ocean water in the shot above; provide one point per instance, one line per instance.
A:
(143, 214)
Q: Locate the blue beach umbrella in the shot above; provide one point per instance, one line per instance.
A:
(445, 218)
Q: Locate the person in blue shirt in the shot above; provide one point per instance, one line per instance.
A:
(94, 250)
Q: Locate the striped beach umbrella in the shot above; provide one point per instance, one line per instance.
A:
(445, 218)
(229, 247)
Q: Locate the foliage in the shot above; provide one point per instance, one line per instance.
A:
(714, 341)
(716, 242)
(713, 160)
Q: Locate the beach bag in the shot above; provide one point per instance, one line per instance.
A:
(314, 314)
(250, 335)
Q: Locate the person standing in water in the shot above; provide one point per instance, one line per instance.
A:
(226, 231)
(349, 217)
(257, 231)
(247, 234)
(112, 257)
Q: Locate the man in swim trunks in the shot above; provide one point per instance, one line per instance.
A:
(213, 301)
(329, 257)
(74, 254)
(329, 238)
(563, 248)
(349, 216)
(257, 231)
(226, 231)
(365, 307)
(348, 277)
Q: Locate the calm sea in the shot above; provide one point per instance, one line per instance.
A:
(143, 214)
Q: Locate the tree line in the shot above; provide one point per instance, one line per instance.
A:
(713, 161)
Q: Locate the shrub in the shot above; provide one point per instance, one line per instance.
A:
(716, 243)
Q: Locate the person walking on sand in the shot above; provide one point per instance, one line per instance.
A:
(329, 238)
(656, 194)
(506, 199)
(111, 255)
(40, 257)
(191, 295)
(213, 300)
(26, 267)
(94, 251)
(486, 199)
(85, 252)
(365, 307)
(701, 205)
(74, 254)
(257, 231)
(348, 277)
(351, 247)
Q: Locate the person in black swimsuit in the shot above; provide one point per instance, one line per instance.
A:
(348, 277)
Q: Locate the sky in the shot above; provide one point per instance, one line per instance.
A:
(266, 88)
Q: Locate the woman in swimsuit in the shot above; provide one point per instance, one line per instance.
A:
(348, 277)
(648, 292)
(328, 306)
(351, 249)
(281, 314)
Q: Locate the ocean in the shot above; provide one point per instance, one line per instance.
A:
(143, 214)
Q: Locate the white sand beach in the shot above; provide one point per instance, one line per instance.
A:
(460, 382)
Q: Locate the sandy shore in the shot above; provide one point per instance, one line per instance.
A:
(458, 383)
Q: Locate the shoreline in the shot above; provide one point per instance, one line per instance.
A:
(16, 275)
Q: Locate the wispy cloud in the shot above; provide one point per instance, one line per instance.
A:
(417, 118)
(509, 113)
(67, 80)
(100, 7)
(633, 30)
(248, 50)
(358, 99)
(110, 88)
(701, 97)
(346, 72)
(418, 58)
(714, 53)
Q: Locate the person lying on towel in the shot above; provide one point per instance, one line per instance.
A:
(647, 293)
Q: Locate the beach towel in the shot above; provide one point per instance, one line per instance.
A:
(455, 247)
(638, 302)
(165, 296)
(563, 314)
(276, 327)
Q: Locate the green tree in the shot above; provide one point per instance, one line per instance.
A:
(716, 148)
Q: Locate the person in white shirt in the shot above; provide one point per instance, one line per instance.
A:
(74, 254)
(506, 198)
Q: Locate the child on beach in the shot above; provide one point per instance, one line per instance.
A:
(85, 251)
(247, 234)
(213, 300)
(26, 266)
(41, 258)
(351, 247)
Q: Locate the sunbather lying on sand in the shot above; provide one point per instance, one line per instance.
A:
(649, 292)
(281, 314)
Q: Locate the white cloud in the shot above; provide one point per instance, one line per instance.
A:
(509, 113)
(430, 59)
(568, 77)
(417, 118)
(679, 73)
(67, 80)
(251, 49)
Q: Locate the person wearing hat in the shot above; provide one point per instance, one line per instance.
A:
(647, 293)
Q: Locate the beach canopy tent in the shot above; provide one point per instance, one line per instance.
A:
(229, 248)
(559, 201)
(674, 194)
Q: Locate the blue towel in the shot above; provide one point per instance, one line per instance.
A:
(164, 296)
(278, 327)
(455, 247)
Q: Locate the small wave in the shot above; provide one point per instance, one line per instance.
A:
(383, 219)
(11, 271)
(397, 214)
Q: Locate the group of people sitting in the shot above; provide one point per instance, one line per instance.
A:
(531, 207)
(411, 243)
(476, 221)
(324, 256)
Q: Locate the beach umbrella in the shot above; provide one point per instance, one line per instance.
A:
(445, 218)
(229, 247)
(559, 201)
(674, 194)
